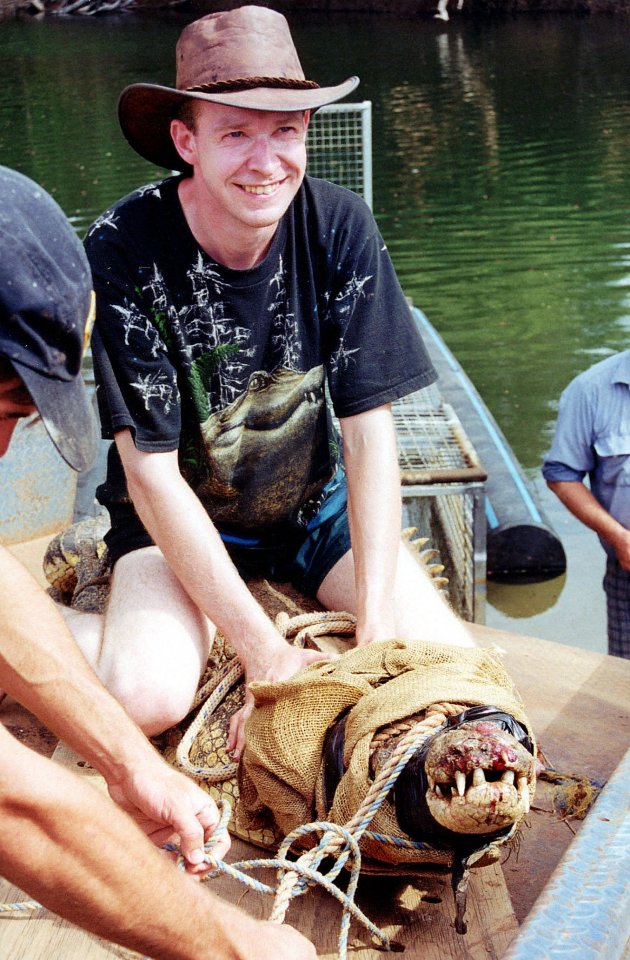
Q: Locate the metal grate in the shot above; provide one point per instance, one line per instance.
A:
(432, 444)
(340, 146)
(443, 493)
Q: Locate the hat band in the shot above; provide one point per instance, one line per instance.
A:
(249, 83)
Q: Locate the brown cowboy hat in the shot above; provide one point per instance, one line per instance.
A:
(243, 58)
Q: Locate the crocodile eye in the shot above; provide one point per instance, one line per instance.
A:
(258, 381)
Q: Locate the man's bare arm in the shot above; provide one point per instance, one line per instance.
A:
(374, 514)
(42, 667)
(72, 850)
(580, 501)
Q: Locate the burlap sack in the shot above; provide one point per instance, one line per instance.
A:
(383, 683)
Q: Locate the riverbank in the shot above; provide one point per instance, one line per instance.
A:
(471, 9)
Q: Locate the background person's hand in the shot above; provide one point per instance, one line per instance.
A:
(622, 549)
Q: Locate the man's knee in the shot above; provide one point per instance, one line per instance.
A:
(155, 701)
(155, 642)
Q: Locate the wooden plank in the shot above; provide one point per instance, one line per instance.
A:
(30, 553)
(42, 935)
(416, 914)
(579, 706)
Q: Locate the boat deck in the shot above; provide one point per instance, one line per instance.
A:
(579, 705)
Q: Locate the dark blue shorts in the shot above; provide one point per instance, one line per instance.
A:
(299, 555)
(302, 556)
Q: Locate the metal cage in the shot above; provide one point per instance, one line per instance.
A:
(443, 494)
(443, 483)
(340, 146)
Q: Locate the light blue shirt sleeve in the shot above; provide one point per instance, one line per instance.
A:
(572, 453)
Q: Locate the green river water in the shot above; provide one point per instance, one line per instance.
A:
(501, 184)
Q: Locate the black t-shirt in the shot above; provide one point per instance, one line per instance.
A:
(232, 368)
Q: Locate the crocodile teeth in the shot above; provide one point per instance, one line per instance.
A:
(523, 791)
(478, 777)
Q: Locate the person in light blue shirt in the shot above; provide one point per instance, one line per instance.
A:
(592, 439)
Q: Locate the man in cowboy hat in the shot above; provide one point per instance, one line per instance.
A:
(231, 299)
(61, 841)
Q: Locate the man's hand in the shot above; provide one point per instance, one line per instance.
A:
(164, 804)
(621, 543)
(286, 662)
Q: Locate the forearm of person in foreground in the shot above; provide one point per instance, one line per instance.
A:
(43, 669)
(73, 851)
(579, 500)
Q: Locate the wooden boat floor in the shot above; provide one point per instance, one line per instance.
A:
(579, 705)
(417, 915)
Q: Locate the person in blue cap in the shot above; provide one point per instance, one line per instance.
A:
(62, 842)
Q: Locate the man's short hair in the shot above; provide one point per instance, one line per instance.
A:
(187, 113)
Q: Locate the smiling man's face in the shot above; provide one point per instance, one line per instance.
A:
(249, 163)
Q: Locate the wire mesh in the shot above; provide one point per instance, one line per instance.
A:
(340, 146)
(432, 444)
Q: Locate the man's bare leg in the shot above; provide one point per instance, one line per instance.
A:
(421, 612)
(87, 630)
(151, 646)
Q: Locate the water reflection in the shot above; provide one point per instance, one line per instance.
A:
(501, 184)
(523, 601)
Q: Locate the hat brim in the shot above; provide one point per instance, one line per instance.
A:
(145, 111)
(67, 414)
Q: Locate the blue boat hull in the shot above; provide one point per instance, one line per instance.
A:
(522, 547)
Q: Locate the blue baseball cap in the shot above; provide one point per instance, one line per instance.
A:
(46, 313)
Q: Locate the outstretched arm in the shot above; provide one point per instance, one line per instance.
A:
(71, 849)
(42, 668)
(580, 501)
(394, 594)
(374, 515)
(192, 547)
